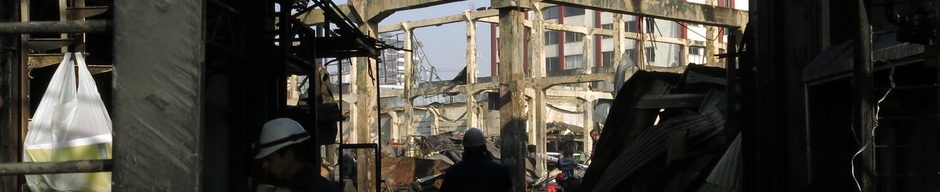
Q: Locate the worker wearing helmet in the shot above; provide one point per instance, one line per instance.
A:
(281, 151)
(477, 171)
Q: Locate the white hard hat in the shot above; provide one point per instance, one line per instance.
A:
(473, 138)
(279, 133)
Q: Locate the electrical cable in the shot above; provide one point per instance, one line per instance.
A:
(874, 127)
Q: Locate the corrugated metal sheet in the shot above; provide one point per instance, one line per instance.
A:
(726, 176)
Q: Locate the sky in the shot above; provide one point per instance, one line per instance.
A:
(445, 45)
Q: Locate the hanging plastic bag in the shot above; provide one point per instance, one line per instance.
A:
(69, 125)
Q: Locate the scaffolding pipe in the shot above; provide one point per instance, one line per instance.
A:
(33, 168)
(87, 26)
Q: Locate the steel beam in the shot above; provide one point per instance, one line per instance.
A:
(158, 103)
(666, 9)
(87, 26)
(33, 168)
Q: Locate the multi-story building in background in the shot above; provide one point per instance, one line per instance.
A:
(565, 51)
(391, 66)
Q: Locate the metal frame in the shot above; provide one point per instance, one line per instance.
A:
(378, 162)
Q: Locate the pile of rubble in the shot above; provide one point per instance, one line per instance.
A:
(433, 155)
(666, 132)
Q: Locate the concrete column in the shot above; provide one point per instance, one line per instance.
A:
(436, 123)
(588, 108)
(640, 47)
(684, 51)
(159, 128)
(618, 41)
(354, 107)
(394, 132)
(588, 55)
(367, 113)
(537, 45)
(511, 87)
(471, 71)
(710, 48)
(407, 119)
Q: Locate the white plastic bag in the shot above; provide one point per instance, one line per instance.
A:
(69, 125)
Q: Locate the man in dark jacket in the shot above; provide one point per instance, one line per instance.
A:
(477, 171)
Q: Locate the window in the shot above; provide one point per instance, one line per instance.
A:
(552, 64)
(695, 50)
(607, 58)
(551, 37)
(650, 54)
(550, 13)
(573, 37)
(607, 26)
(630, 26)
(574, 62)
(572, 11)
(631, 53)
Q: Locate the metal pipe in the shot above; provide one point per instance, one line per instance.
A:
(87, 26)
(33, 168)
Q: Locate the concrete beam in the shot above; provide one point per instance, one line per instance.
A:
(545, 83)
(464, 17)
(378, 10)
(666, 9)
(474, 89)
(314, 17)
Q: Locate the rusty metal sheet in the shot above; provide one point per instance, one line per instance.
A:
(398, 170)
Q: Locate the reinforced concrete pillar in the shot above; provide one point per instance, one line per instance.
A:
(537, 71)
(471, 71)
(587, 55)
(512, 88)
(407, 119)
(588, 108)
(367, 113)
(618, 41)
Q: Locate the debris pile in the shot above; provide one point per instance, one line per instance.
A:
(433, 155)
(666, 132)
